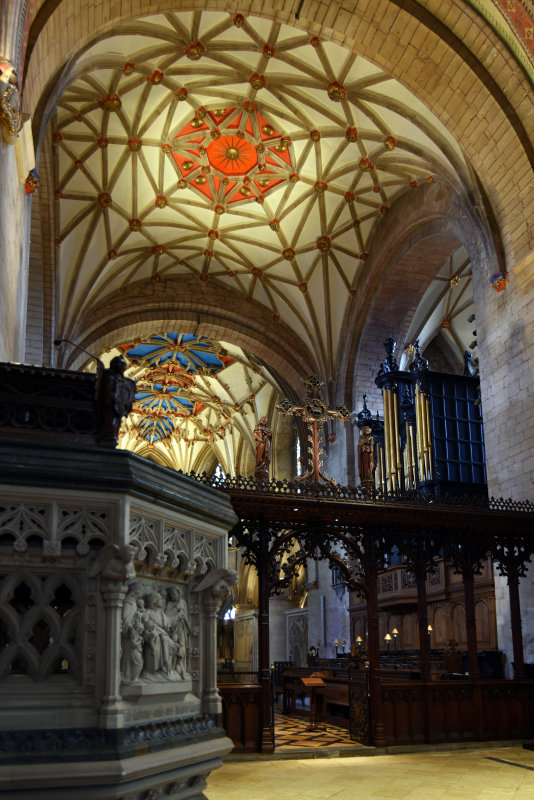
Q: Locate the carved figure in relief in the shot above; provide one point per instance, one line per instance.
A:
(114, 563)
(132, 651)
(262, 439)
(115, 395)
(160, 649)
(179, 627)
(366, 461)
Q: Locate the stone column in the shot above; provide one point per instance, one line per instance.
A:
(113, 594)
(214, 586)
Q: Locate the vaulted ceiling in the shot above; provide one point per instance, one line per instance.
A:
(239, 153)
(247, 157)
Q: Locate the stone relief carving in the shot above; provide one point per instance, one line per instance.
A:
(155, 635)
(162, 545)
(204, 556)
(39, 625)
(84, 525)
(114, 563)
(177, 549)
(19, 523)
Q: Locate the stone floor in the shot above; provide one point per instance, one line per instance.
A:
(502, 773)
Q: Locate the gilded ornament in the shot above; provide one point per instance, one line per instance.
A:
(194, 51)
(213, 234)
(249, 108)
(349, 197)
(446, 323)
(208, 254)
(156, 77)
(161, 201)
(32, 181)
(104, 200)
(10, 114)
(196, 123)
(384, 209)
(363, 256)
(111, 102)
(376, 189)
(215, 133)
(257, 272)
(128, 68)
(239, 20)
(324, 243)
(257, 81)
(264, 182)
(274, 224)
(267, 130)
(294, 177)
(267, 50)
(219, 209)
(303, 287)
(155, 278)
(182, 184)
(166, 148)
(182, 93)
(78, 163)
(102, 142)
(454, 281)
(245, 191)
(288, 254)
(351, 134)
(390, 142)
(366, 165)
(134, 145)
(315, 42)
(200, 179)
(135, 224)
(320, 187)
(206, 170)
(336, 91)
(413, 184)
(57, 137)
(159, 249)
(499, 281)
(431, 179)
(112, 254)
(187, 165)
(315, 135)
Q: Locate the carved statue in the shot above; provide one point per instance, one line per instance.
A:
(115, 395)
(114, 563)
(160, 649)
(132, 650)
(366, 461)
(262, 439)
(178, 626)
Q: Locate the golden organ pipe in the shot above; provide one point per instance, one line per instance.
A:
(396, 441)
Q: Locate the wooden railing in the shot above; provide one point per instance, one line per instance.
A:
(418, 712)
(242, 711)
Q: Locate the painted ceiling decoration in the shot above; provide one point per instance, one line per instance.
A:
(239, 152)
(197, 400)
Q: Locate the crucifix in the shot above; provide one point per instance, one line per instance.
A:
(314, 412)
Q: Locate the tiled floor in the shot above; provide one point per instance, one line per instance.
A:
(291, 734)
(505, 773)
